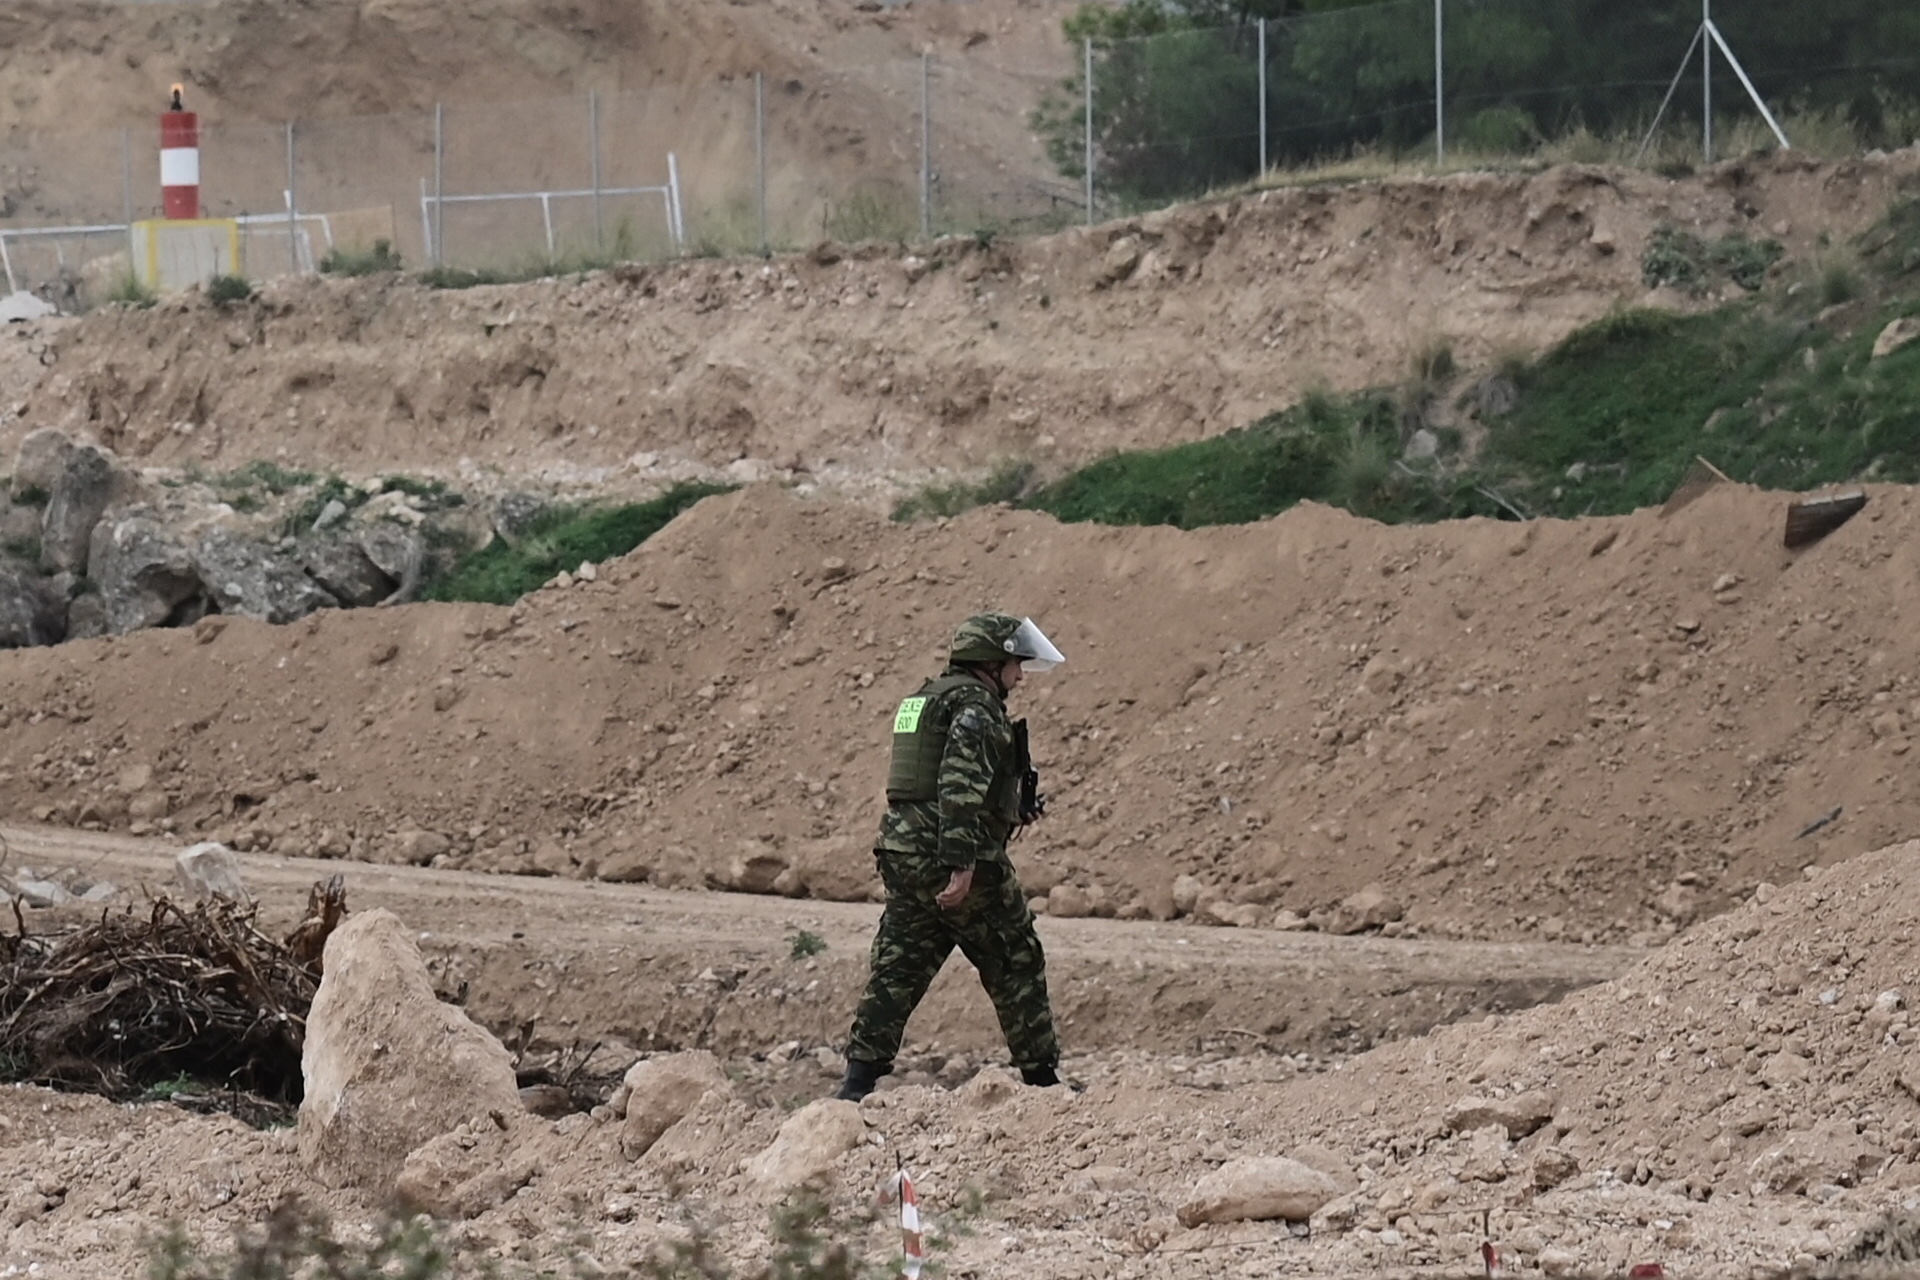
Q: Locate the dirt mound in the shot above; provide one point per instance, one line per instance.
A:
(873, 369)
(1584, 728)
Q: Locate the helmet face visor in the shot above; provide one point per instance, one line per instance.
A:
(1035, 651)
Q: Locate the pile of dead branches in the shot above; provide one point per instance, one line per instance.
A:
(171, 994)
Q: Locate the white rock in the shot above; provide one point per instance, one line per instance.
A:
(809, 1147)
(1519, 1115)
(1186, 894)
(209, 870)
(1258, 1188)
(387, 1066)
(660, 1093)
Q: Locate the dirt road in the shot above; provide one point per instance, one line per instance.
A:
(666, 969)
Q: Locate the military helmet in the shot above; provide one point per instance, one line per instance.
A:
(995, 637)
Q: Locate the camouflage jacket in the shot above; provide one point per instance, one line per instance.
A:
(971, 817)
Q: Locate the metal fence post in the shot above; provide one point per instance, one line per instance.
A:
(1706, 78)
(593, 144)
(1087, 42)
(1439, 84)
(126, 177)
(293, 208)
(1263, 97)
(760, 155)
(926, 147)
(439, 183)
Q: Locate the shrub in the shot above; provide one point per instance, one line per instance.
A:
(130, 290)
(1006, 483)
(225, 290)
(805, 943)
(382, 257)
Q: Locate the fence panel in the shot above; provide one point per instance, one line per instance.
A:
(979, 138)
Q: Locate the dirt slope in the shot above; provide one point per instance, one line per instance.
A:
(1590, 728)
(860, 372)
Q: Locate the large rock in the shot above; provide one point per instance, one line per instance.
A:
(1896, 335)
(210, 870)
(808, 1147)
(476, 1167)
(145, 574)
(515, 515)
(40, 460)
(86, 616)
(32, 612)
(1519, 1115)
(343, 568)
(1258, 1188)
(388, 1067)
(660, 1093)
(252, 579)
(87, 484)
(397, 552)
(1370, 908)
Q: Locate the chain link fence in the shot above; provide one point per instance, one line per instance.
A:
(1118, 120)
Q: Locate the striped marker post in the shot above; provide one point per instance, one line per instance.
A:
(179, 161)
(913, 1249)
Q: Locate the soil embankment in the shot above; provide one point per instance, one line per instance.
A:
(1589, 729)
(864, 370)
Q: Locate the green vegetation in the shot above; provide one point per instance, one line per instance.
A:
(299, 1242)
(131, 291)
(383, 257)
(805, 943)
(561, 540)
(1339, 449)
(1778, 389)
(1006, 483)
(1681, 260)
(167, 1090)
(226, 290)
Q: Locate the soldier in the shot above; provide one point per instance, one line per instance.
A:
(954, 798)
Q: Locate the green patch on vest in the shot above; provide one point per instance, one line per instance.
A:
(907, 718)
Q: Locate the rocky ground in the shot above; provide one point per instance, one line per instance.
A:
(1738, 1104)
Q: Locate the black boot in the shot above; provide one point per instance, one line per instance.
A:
(1040, 1077)
(861, 1078)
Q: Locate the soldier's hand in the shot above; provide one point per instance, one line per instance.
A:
(959, 885)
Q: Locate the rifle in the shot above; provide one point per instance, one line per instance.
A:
(1032, 803)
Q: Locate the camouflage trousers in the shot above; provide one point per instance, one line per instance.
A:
(993, 928)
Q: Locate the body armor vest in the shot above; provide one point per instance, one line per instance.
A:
(920, 730)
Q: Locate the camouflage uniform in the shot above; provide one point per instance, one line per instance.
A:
(922, 843)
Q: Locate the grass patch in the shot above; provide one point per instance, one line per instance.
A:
(129, 290)
(1679, 259)
(1006, 483)
(434, 494)
(168, 1090)
(226, 290)
(382, 258)
(268, 475)
(561, 540)
(1610, 420)
(1337, 449)
(805, 943)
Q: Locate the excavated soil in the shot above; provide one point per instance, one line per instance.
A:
(1581, 730)
(1741, 1102)
(869, 369)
